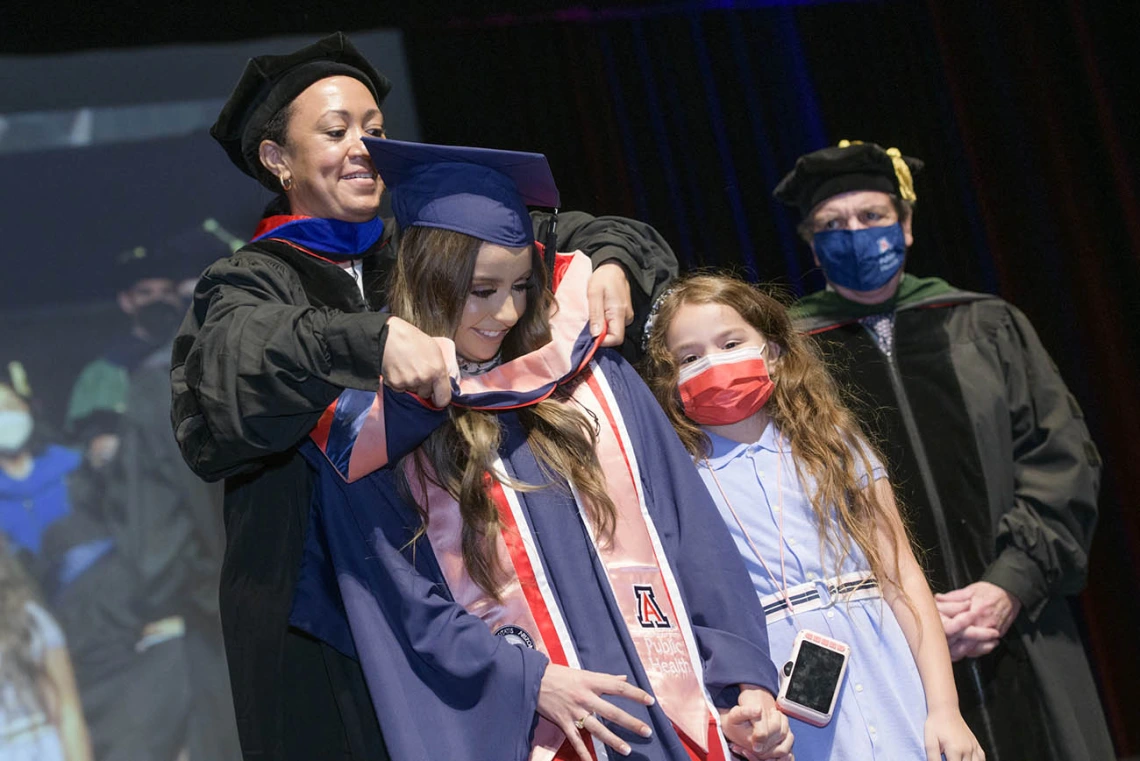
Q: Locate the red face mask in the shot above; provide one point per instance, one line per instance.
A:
(721, 389)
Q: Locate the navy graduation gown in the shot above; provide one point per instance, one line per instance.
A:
(442, 684)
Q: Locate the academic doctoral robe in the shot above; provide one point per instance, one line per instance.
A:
(996, 472)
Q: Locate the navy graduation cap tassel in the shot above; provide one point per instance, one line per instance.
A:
(550, 244)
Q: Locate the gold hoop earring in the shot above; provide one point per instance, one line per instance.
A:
(287, 183)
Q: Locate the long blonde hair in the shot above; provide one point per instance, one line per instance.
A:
(828, 445)
(430, 285)
(19, 666)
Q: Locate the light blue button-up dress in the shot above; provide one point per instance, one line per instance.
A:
(882, 707)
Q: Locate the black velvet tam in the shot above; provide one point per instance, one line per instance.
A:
(271, 82)
(849, 166)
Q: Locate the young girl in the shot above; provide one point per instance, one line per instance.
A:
(813, 516)
(539, 578)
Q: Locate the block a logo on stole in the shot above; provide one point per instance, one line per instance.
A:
(516, 635)
(649, 613)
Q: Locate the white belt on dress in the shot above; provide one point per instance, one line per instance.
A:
(821, 593)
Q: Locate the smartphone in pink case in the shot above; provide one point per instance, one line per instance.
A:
(809, 687)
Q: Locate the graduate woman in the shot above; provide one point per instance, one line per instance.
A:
(544, 576)
(276, 332)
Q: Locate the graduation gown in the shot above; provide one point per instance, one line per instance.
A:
(273, 336)
(995, 469)
(444, 686)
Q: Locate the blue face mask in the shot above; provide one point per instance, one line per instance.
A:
(862, 260)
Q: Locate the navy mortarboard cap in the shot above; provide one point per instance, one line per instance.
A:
(478, 191)
(851, 165)
(271, 82)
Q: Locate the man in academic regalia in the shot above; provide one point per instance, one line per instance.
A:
(988, 449)
(171, 521)
(137, 590)
(146, 296)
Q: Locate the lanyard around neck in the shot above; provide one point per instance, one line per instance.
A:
(780, 587)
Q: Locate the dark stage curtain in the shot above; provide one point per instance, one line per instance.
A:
(687, 115)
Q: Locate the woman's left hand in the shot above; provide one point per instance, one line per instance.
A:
(947, 735)
(610, 302)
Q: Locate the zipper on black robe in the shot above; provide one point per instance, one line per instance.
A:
(953, 572)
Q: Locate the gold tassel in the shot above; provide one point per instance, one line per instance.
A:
(19, 378)
(902, 172)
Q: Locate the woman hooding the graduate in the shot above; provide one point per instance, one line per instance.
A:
(537, 571)
(278, 330)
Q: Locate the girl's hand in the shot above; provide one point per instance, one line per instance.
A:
(947, 735)
(755, 728)
(568, 695)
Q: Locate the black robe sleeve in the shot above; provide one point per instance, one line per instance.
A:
(1043, 540)
(648, 261)
(255, 364)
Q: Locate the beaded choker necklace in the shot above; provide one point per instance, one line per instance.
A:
(468, 368)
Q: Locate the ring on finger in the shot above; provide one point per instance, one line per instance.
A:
(581, 723)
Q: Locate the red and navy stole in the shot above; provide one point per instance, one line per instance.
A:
(640, 578)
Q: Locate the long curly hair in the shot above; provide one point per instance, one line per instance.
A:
(828, 446)
(19, 666)
(429, 287)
